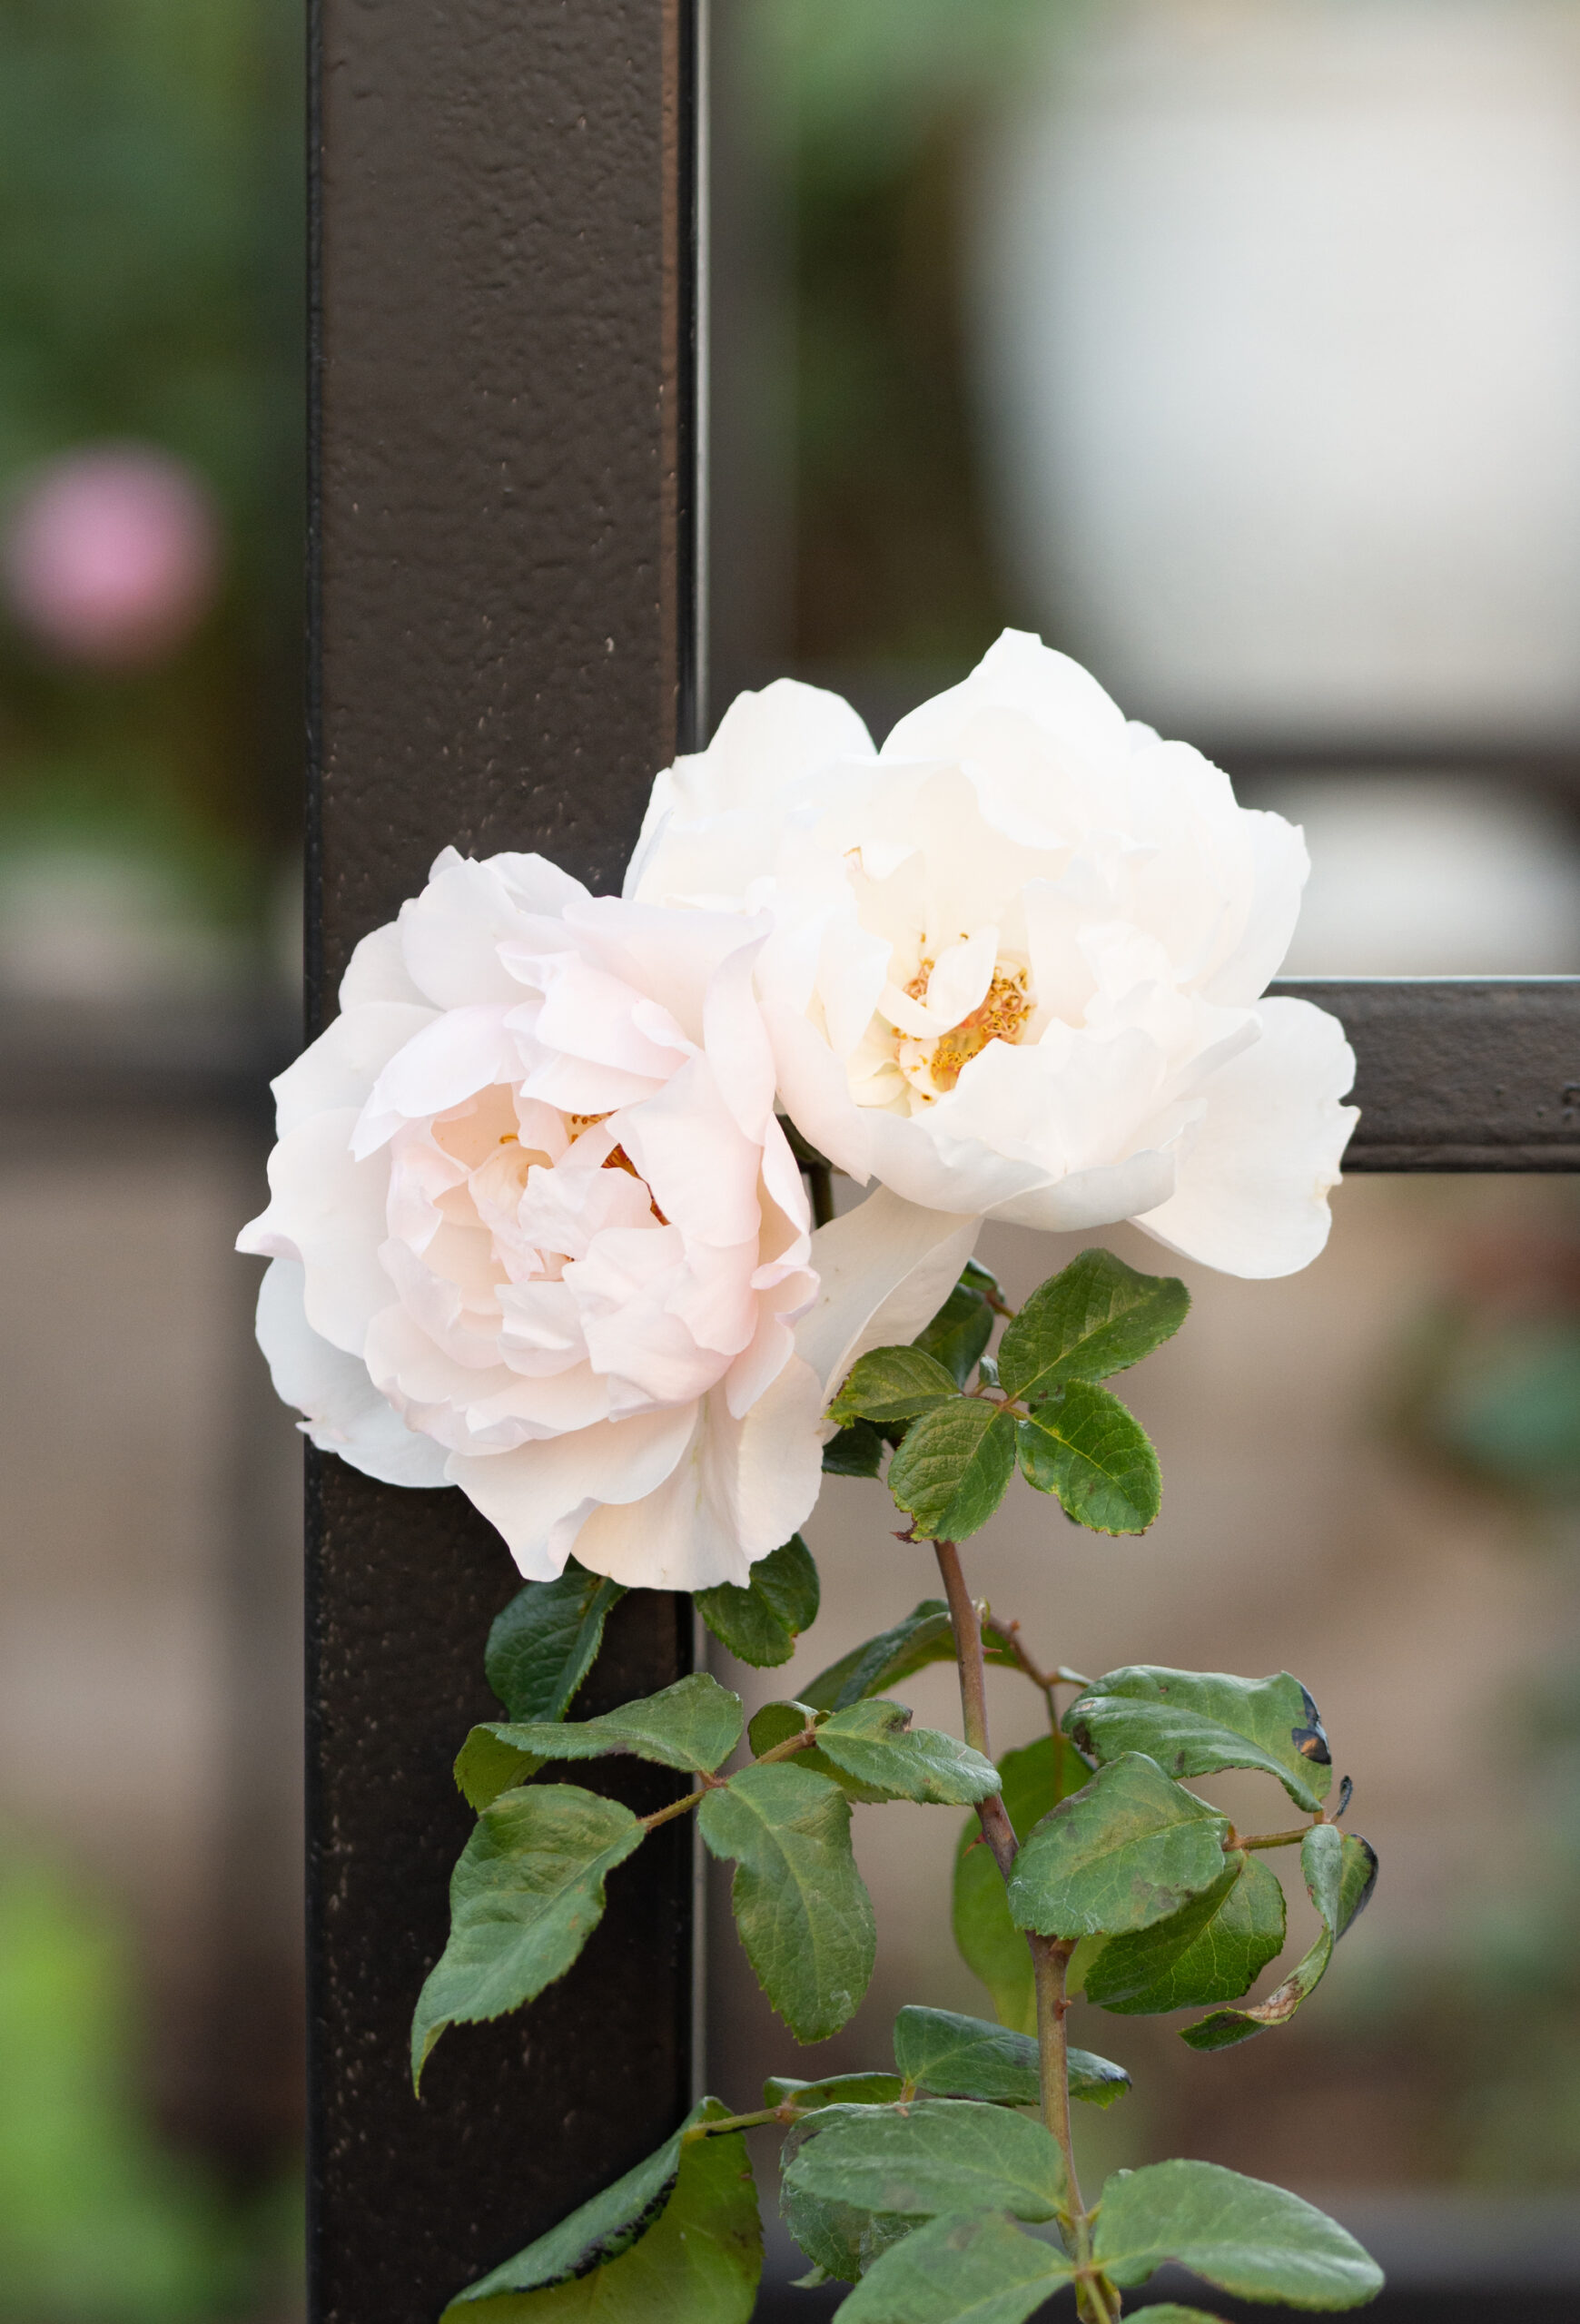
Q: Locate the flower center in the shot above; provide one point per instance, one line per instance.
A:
(934, 1067)
(576, 1126)
(616, 1158)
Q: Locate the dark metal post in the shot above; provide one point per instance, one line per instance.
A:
(503, 652)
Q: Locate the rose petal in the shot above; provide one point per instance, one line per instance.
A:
(460, 1052)
(377, 970)
(1018, 673)
(740, 1489)
(883, 1270)
(1279, 869)
(344, 1412)
(1252, 1187)
(765, 744)
(328, 1211)
(450, 934)
(540, 1496)
(341, 1065)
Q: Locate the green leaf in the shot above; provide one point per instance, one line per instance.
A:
(1098, 1317)
(801, 1906)
(1340, 1874)
(1095, 2079)
(525, 1895)
(1127, 1850)
(959, 1333)
(690, 2253)
(939, 2154)
(835, 2090)
(975, 1277)
(693, 1726)
(761, 1622)
(486, 1765)
(775, 1723)
(966, 2057)
(1212, 1949)
(872, 1753)
(547, 1640)
(1084, 1446)
(874, 1742)
(1034, 1780)
(950, 1471)
(1248, 2239)
(1195, 1722)
(604, 2226)
(925, 1636)
(893, 1383)
(856, 1452)
(960, 2269)
(1168, 2311)
(840, 2238)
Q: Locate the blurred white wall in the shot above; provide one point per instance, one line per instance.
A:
(1430, 875)
(1279, 328)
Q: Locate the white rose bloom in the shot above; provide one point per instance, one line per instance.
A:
(1019, 956)
(537, 1232)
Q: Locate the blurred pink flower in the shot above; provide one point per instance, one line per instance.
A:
(111, 555)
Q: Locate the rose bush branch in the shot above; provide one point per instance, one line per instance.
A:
(552, 1222)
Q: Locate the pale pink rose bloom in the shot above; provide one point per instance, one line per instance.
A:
(537, 1232)
(113, 555)
(1020, 957)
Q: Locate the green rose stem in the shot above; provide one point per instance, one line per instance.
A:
(997, 1829)
(1049, 1955)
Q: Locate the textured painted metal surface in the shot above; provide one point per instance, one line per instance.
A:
(1467, 1074)
(502, 659)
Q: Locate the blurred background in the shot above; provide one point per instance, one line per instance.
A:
(1235, 346)
(150, 528)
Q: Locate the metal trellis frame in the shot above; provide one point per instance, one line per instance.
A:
(505, 624)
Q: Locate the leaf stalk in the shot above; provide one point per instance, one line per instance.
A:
(1272, 1839)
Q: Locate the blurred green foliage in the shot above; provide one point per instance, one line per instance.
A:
(873, 116)
(151, 272)
(1501, 1398)
(99, 2224)
(1490, 1395)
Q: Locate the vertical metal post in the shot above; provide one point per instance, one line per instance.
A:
(504, 625)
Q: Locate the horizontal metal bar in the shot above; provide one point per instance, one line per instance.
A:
(1453, 1074)
(1460, 1073)
(154, 1057)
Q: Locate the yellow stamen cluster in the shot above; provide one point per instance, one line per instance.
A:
(1002, 1015)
